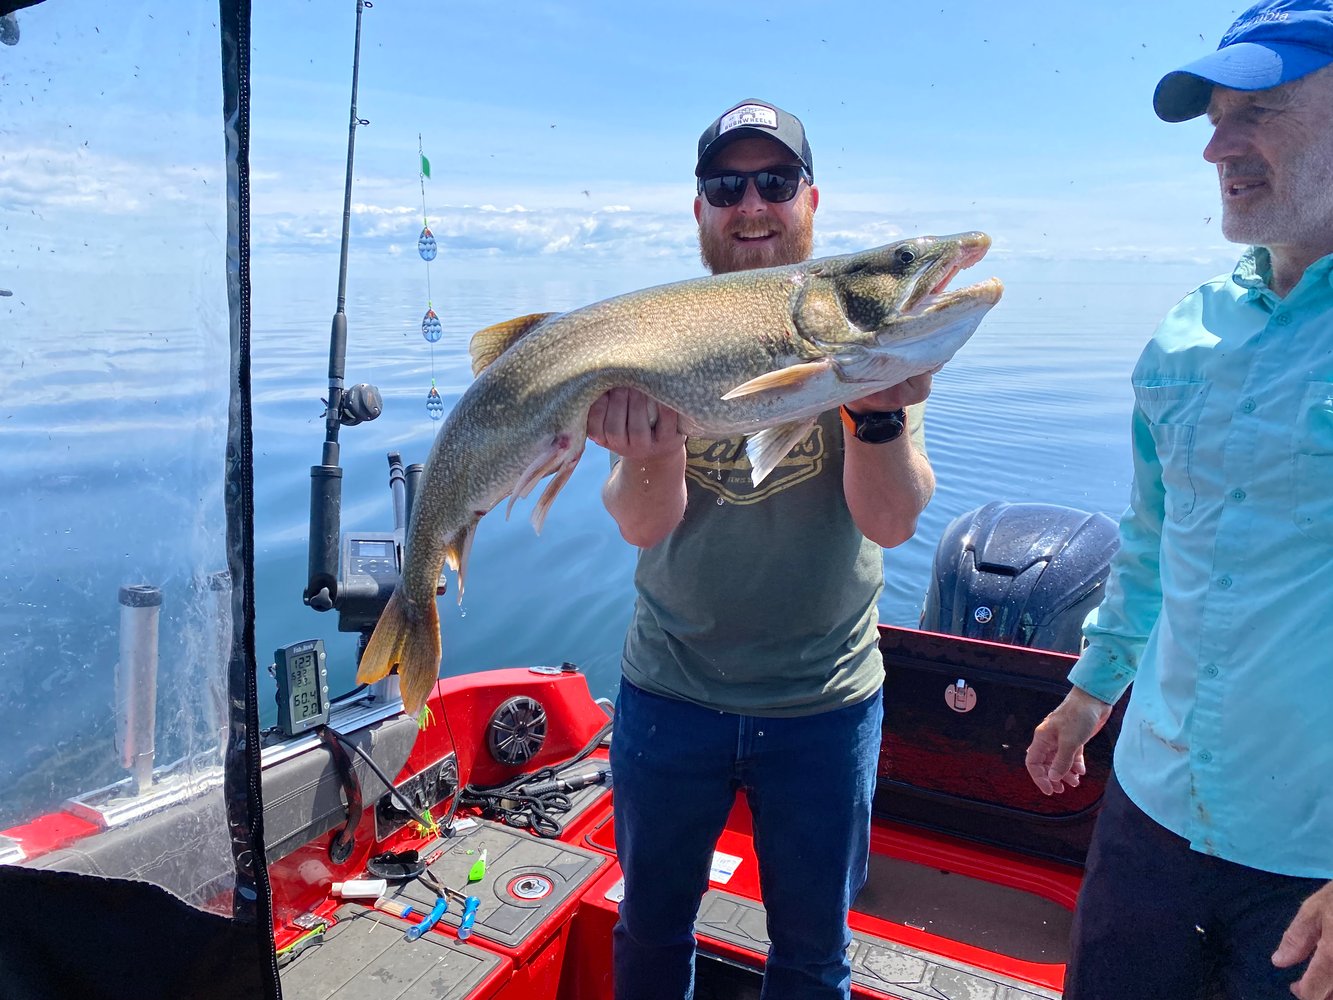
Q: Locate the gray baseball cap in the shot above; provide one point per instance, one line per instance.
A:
(753, 117)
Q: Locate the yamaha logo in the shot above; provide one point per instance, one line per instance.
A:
(982, 615)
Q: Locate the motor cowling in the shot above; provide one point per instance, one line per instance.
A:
(1026, 574)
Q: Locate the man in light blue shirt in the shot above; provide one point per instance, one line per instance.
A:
(1217, 833)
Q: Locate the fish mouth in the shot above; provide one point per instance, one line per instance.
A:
(968, 249)
(985, 293)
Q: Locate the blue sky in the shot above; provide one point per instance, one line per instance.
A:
(562, 134)
(565, 131)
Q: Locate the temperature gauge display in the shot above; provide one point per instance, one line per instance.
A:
(303, 686)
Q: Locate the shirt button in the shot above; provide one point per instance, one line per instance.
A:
(1237, 494)
(1282, 319)
(1248, 406)
(1210, 669)
(1224, 582)
(1205, 756)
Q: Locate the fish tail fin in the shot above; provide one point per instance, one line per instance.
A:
(419, 668)
(408, 637)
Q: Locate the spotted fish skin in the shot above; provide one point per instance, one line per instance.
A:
(760, 352)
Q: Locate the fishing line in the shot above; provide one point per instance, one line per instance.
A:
(430, 323)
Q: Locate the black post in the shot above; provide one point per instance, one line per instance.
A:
(321, 591)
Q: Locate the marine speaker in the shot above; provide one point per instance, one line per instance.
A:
(517, 730)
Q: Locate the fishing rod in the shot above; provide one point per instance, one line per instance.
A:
(345, 407)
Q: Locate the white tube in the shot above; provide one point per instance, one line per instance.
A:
(361, 888)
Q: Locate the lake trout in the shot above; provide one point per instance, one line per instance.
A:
(760, 352)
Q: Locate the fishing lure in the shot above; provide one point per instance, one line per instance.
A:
(430, 323)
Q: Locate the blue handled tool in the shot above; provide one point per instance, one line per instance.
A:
(428, 879)
(469, 904)
(429, 921)
(443, 894)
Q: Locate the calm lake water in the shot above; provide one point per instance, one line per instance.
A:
(112, 441)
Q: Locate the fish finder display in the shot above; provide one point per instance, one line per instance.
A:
(303, 686)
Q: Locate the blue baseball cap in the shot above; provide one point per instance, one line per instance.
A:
(1270, 44)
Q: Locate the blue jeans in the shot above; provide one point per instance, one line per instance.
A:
(1156, 919)
(809, 781)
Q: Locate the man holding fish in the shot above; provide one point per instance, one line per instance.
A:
(767, 454)
(751, 661)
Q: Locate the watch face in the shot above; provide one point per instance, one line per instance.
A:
(879, 428)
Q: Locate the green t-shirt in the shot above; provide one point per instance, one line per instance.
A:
(762, 601)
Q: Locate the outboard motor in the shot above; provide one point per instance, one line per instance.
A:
(1026, 574)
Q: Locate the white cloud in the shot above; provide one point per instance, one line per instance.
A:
(125, 204)
(53, 178)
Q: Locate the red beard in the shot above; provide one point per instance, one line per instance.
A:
(722, 253)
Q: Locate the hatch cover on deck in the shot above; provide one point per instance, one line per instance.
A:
(889, 968)
(364, 955)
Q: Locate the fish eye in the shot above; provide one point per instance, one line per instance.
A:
(906, 255)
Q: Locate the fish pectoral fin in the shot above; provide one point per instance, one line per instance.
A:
(408, 637)
(791, 377)
(771, 445)
(489, 343)
(553, 488)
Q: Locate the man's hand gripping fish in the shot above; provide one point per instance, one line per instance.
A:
(759, 352)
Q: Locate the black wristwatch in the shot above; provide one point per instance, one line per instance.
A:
(876, 428)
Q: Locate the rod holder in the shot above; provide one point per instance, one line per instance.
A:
(326, 497)
(412, 475)
(398, 489)
(136, 682)
(216, 716)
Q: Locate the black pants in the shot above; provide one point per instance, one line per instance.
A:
(1159, 921)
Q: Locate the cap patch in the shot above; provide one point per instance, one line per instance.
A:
(752, 115)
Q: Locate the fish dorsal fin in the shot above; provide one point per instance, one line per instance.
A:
(783, 379)
(490, 343)
(771, 445)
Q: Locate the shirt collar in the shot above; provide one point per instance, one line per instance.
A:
(1254, 271)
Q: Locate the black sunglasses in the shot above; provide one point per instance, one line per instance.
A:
(775, 184)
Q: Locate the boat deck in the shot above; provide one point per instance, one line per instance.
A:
(919, 932)
(941, 917)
